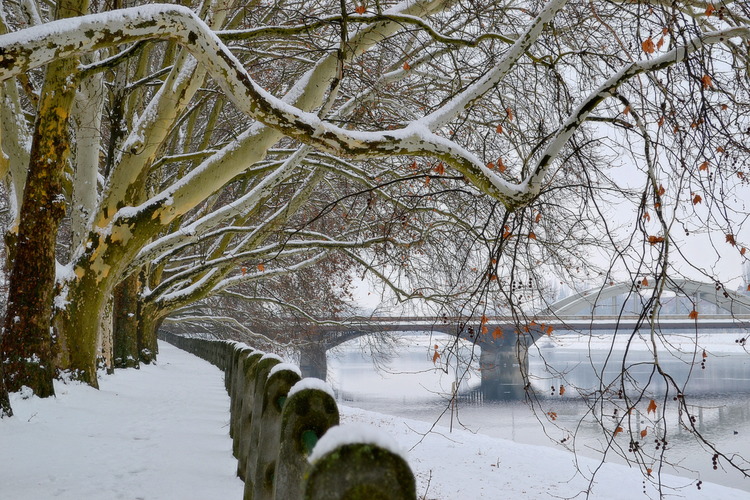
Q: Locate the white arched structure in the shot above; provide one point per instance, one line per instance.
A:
(585, 302)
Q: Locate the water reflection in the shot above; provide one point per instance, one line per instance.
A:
(494, 402)
(695, 376)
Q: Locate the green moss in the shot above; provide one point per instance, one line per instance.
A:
(309, 439)
(358, 472)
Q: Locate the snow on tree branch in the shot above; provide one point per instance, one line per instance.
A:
(26, 49)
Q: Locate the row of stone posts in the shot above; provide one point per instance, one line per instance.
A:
(280, 425)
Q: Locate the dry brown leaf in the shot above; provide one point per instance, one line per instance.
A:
(653, 240)
(648, 46)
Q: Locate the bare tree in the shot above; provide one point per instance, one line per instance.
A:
(457, 151)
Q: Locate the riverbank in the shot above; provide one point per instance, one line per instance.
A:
(462, 464)
(160, 433)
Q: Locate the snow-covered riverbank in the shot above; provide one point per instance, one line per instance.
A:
(463, 464)
(161, 433)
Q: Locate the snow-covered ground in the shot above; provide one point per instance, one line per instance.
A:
(155, 433)
(161, 433)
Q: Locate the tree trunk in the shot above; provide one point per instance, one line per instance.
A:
(105, 342)
(126, 322)
(79, 330)
(5, 409)
(149, 322)
(27, 342)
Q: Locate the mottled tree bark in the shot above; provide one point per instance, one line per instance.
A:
(126, 322)
(149, 321)
(5, 409)
(27, 340)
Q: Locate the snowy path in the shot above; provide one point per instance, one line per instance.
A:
(160, 433)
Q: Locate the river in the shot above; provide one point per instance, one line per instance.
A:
(405, 382)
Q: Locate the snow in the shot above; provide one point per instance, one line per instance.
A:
(285, 366)
(311, 383)
(64, 272)
(462, 464)
(353, 433)
(161, 433)
(271, 355)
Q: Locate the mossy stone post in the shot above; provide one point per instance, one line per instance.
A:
(245, 410)
(237, 386)
(224, 354)
(280, 380)
(230, 371)
(230, 374)
(360, 471)
(235, 391)
(235, 378)
(251, 429)
(230, 383)
(307, 415)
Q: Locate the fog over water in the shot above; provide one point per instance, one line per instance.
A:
(406, 383)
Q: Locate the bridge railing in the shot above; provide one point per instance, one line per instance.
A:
(285, 432)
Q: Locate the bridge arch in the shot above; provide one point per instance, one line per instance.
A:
(584, 303)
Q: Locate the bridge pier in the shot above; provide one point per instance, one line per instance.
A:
(312, 360)
(501, 367)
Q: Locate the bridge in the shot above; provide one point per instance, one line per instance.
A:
(504, 340)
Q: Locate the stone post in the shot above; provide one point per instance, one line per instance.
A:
(310, 410)
(281, 378)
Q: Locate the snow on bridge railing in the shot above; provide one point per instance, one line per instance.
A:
(285, 432)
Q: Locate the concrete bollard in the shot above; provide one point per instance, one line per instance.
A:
(356, 462)
(236, 394)
(233, 354)
(250, 433)
(244, 409)
(275, 429)
(309, 411)
(281, 378)
(230, 372)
